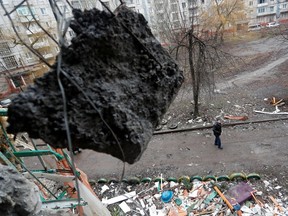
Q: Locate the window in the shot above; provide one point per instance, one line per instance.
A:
(48, 24)
(71, 33)
(1, 34)
(43, 11)
(174, 7)
(261, 1)
(272, 9)
(4, 49)
(250, 3)
(76, 4)
(202, 1)
(174, 16)
(183, 5)
(284, 6)
(10, 62)
(161, 16)
(64, 8)
(28, 55)
(25, 11)
(18, 29)
(172, 1)
(176, 24)
(159, 6)
(261, 10)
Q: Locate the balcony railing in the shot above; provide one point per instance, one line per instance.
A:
(28, 18)
(262, 4)
(48, 55)
(34, 31)
(41, 44)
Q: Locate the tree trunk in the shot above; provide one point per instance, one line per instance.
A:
(193, 74)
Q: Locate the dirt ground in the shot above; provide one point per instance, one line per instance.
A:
(253, 147)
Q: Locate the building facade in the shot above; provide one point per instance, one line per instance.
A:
(264, 11)
(28, 25)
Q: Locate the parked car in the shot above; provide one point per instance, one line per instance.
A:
(5, 103)
(272, 24)
(254, 27)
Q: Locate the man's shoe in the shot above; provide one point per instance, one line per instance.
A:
(220, 147)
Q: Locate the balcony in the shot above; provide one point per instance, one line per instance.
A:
(42, 44)
(28, 18)
(48, 55)
(262, 4)
(34, 31)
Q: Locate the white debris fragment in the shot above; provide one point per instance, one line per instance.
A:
(246, 209)
(173, 184)
(125, 208)
(266, 183)
(152, 210)
(259, 193)
(141, 211)
(119, 198)
(142, 203)
(157, 196)
(104, 188)
(256, 209)
(190, 121)
(277, 187)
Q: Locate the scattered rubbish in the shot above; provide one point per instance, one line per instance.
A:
(277, 112)
(239, 193)
(124, 207)
(119, 198)
(276, 102)
(167, 196)
(239, 196)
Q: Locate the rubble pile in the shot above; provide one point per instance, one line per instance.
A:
(19, 196)
(183, 197)
(118, 83)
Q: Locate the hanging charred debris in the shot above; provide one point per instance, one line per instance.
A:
(118, 83)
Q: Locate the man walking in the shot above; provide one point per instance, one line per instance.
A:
(217, 130)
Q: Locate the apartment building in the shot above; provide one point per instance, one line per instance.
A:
(264, 11)
(27, 26)
(19, 30)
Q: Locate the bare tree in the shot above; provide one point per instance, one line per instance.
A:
(222, 15)
(196, 52)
